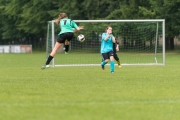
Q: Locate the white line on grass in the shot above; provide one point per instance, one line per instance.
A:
(94, 103)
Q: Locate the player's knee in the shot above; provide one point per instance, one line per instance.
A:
(112, 58)
(107, 60)
(67, 42)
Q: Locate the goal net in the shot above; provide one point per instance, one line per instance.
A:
(142, 42)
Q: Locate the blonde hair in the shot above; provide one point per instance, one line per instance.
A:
(61, 16)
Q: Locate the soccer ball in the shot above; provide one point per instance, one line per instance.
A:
(81, 38)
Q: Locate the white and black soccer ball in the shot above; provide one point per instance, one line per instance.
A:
(81, 38)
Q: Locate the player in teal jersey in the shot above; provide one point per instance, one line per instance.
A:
(68, 27)
(107, 48)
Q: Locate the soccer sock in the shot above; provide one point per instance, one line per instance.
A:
(112, 66)
(118, 62)
(66, 48)
(49, 60)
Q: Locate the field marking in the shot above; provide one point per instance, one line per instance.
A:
(128, 102)
(95, 103)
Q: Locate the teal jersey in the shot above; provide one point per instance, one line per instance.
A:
(67, 25)
(106, 46)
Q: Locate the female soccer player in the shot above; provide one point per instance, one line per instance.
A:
(68, 27)
(107, 48)
(115, 49)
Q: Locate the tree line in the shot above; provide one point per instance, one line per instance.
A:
(27, 20)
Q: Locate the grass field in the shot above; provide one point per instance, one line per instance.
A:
(87, 93)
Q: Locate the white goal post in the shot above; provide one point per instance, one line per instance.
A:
(142, 42)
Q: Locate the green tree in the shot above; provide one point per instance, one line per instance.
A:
(22, 18)
(168, 10)
(9, 18)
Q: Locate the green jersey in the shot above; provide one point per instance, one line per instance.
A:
(67, 25)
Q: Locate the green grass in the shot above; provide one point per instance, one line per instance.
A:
(87, 93)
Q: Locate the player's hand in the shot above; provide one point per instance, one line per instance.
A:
(81, 27)
(109, 35)
(117, 48)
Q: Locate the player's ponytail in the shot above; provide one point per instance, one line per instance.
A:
(61, 16)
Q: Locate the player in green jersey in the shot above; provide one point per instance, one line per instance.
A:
(68, 27)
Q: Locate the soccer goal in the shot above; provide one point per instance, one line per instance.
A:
(142, 42)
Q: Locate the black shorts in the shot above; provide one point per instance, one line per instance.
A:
(107, 55)
(65, 36)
